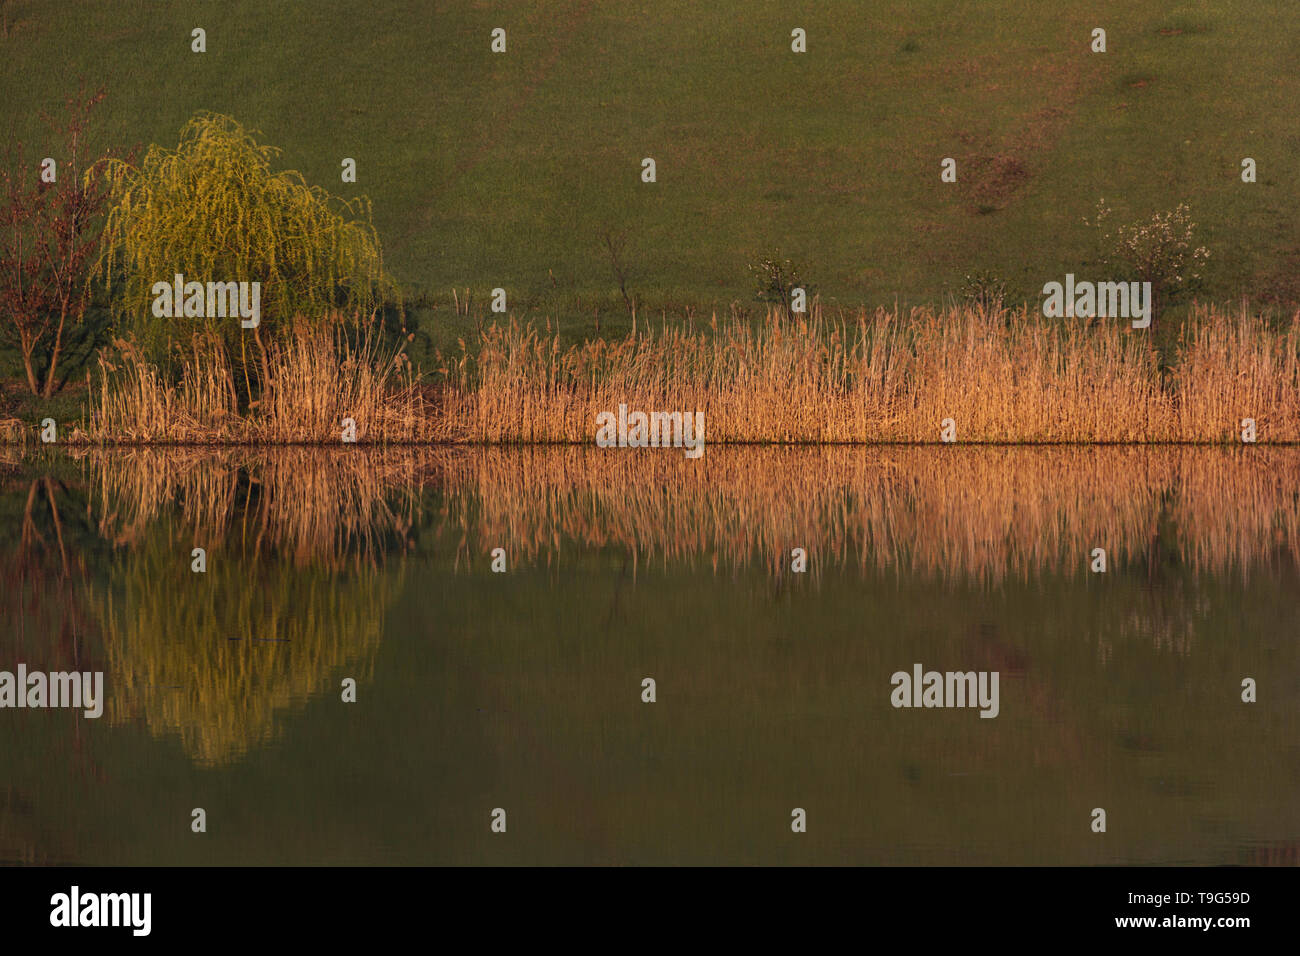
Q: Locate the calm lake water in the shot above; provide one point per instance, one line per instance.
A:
(522, 690)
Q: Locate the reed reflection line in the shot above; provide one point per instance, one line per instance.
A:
(980, 513)
(951, 513)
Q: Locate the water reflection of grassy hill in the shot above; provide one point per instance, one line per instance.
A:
(770, 700)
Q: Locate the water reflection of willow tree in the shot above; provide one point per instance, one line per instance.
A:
(293, 598)
(214, 658)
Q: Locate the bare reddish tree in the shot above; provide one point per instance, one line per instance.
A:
(24, 293)
(49, 245)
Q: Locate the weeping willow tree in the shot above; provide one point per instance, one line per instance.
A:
(214, 210)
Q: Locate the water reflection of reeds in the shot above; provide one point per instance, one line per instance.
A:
(311, 505)
(952, 513)
(968, 513)
(1136, 670)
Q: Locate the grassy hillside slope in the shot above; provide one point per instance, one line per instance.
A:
(507, 169)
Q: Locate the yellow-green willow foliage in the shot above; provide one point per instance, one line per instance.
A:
(214, 210)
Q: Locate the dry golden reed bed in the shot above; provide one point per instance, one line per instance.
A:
(315, 379)
(1002, 376)
(952, 513)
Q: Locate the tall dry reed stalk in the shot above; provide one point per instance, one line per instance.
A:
(135, 402)
(318, 379)
(1233, 367)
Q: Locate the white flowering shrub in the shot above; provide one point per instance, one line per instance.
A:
(1159, 250)
(984, 289)
(775, 278)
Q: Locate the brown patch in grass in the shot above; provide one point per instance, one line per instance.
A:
(996, 171)
(1282, 282)
(996, 178)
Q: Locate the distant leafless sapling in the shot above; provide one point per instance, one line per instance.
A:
(616, 246)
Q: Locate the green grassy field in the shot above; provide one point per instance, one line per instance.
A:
(507, 169)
